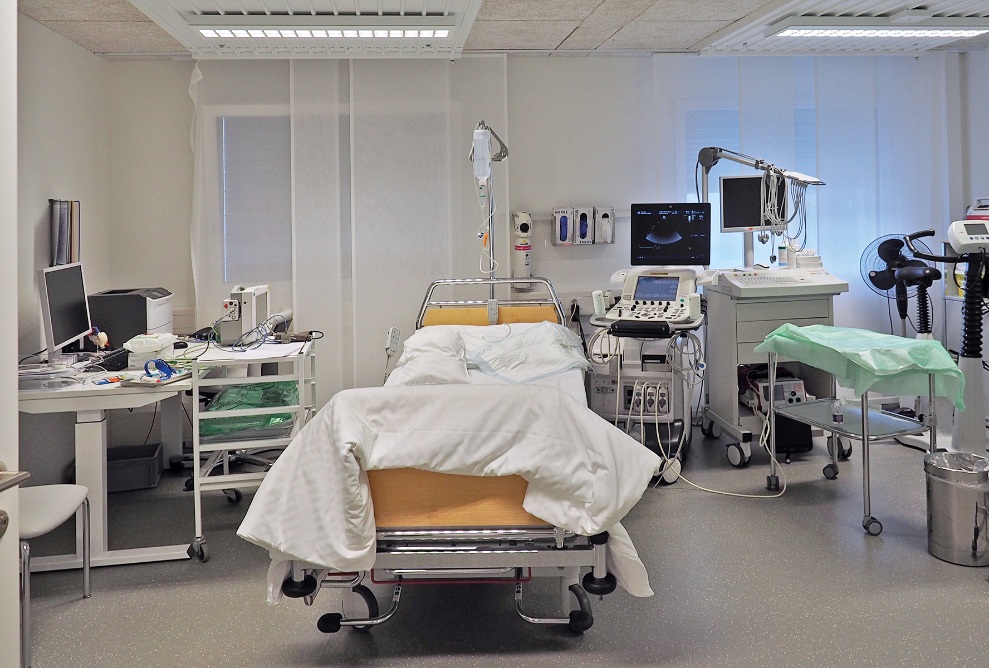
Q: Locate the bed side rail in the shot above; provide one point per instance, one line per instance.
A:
(518, 300)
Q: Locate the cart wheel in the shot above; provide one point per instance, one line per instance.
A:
(233, 495)
(872, 526)
(843, 451)
(189, 484)
(736, 455)
(830, 471)
(199, 550)
(372, 606)
(671, 472)
(711, 429)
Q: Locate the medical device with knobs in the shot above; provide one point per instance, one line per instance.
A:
(968, 432)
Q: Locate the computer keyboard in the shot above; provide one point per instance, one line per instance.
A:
(109, 360)
(765, 280)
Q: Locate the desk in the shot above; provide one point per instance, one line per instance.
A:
(90, 402)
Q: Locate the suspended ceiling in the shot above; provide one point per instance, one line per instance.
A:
(118, 29)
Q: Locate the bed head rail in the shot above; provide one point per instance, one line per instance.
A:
(518, 299)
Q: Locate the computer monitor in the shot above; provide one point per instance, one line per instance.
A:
(671, 234)
(64, 309)
(741, 202)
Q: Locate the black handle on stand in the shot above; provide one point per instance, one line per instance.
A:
(975, 289)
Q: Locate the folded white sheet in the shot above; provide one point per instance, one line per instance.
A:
(584, 474)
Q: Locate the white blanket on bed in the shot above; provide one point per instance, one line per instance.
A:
(584, 474)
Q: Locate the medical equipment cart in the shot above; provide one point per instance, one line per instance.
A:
(741, 310)
(861, 360)
(220, 368)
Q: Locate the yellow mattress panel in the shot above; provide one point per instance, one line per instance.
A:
(407, 498)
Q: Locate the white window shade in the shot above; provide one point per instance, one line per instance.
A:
(256, 211)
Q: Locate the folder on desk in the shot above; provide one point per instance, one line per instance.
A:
(65, 231)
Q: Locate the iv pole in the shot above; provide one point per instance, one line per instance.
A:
(481, 157)
(708, 157)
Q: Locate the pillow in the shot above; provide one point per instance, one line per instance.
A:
(535, 352)
(431, 358)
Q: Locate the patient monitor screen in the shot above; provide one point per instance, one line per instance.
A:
(742, 200)
(671, 234)
(656, 288)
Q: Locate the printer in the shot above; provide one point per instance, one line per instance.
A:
(123, 314)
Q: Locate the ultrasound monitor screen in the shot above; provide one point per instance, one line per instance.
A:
(741, 202)
(656, 288)
(671, 234)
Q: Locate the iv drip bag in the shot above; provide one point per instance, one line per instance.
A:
(482, 154)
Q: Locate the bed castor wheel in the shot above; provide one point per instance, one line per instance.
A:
(599, 586)
(233, 495)
(372, 606)
(580, 621)
(330, 622)
(299, 588)
(830, 471)
(872, 526)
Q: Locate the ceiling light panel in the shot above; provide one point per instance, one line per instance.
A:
(213, 29)
(854, 27)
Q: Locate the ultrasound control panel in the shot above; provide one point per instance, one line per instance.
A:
(658, 295)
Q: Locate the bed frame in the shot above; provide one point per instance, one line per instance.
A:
(440, 528)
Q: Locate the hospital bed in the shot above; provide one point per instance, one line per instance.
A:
(443, 527)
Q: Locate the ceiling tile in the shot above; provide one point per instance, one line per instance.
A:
(118, 37)
(80, 10)
(616, 13)
(515, 35)
(669, 36)
(702, 10)
(588, 38)
(536, 10)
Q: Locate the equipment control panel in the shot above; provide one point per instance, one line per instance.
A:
(780, 282)
(968, 236)
(658, 295)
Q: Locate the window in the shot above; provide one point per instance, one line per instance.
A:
(255, 198)
(721, 128)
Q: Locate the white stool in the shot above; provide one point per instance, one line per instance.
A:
(42, 509)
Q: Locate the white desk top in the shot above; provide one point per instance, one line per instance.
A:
(87, 395)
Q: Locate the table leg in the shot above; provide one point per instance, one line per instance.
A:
(90, 450)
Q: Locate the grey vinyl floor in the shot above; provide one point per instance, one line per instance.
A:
(791, 581)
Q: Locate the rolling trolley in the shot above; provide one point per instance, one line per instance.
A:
(861, 360)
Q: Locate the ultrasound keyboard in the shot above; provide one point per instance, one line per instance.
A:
(656, 311)
(766, 280)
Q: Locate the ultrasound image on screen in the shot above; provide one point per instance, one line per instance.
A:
(671, 234)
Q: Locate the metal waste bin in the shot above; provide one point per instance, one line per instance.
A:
(957, 500)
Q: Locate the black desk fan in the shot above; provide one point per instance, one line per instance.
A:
(887, 264)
